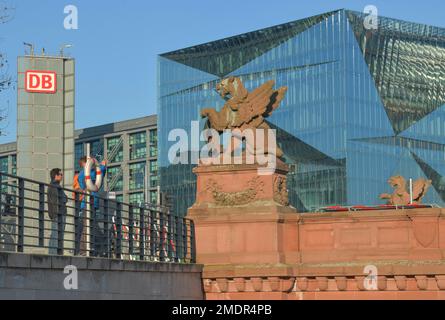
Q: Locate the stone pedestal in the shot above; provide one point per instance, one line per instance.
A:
(242, 217)
(243, 222)
(254, 246)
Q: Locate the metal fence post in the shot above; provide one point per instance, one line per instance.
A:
(192, 242)
(162, 236)
(170, 236)
(184, 238)
(21, 216)
(93, 231)
(77, 221)
(152, 230)
(178, 239)
(142, 239)
(177, 235)
(118, 223)
(41, 215)
(106, 216)
(130, 230)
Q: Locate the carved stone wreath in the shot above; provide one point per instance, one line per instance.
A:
(227, 199)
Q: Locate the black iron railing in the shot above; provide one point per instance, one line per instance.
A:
(88, 225)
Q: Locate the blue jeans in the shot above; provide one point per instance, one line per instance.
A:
(100, 235)
(53, 239)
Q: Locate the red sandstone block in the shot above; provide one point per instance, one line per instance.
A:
(417, 295)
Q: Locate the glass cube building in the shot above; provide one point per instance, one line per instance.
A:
(362, 104)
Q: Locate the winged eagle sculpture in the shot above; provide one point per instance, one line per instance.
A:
(244, 109)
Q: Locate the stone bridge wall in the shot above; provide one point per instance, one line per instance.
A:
(24, 276)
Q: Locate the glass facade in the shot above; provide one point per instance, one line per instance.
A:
(115, 147)
(4, 164)
(153, 143)
(153, 181)
(136, 198)
(14, 165)
(137, 175)
(119, 184)
(362, 105)
(153, 197)
(78, 153)
(154, 137)
(97, 149)
(153, 167)
(138, 146)
(153, 151)
(120, 198)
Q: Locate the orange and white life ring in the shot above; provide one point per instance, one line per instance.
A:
(93, 187)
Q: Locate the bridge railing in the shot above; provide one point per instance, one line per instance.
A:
(88, 225)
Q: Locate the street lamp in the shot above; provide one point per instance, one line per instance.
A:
(30, 46)
(63, 47)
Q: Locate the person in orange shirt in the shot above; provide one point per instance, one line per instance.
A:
(79, 225)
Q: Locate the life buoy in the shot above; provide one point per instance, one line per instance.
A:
(93, 187)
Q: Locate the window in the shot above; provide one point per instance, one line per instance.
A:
(115, 149)
(4, 165)
(153, 137)
(138, 146)
(154, 167)
(137, 174)
(153, 181)
(120, 198)
(78, 153)
(14, 165)
(97, 149)
(153, 151)
(118, 185)
(153, 197)
(137, 198)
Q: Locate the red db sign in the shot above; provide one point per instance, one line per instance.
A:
(41, 81)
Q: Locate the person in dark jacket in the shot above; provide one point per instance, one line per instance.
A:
(57, 211)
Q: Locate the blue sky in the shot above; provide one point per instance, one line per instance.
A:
(117, 43)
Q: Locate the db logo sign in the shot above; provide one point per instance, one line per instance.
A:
(41, 81)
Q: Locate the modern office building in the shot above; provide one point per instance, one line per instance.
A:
(362, 105)
(130, 148)
(8, 158)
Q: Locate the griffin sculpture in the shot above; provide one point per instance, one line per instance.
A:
(244, 109)
(401, 196)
